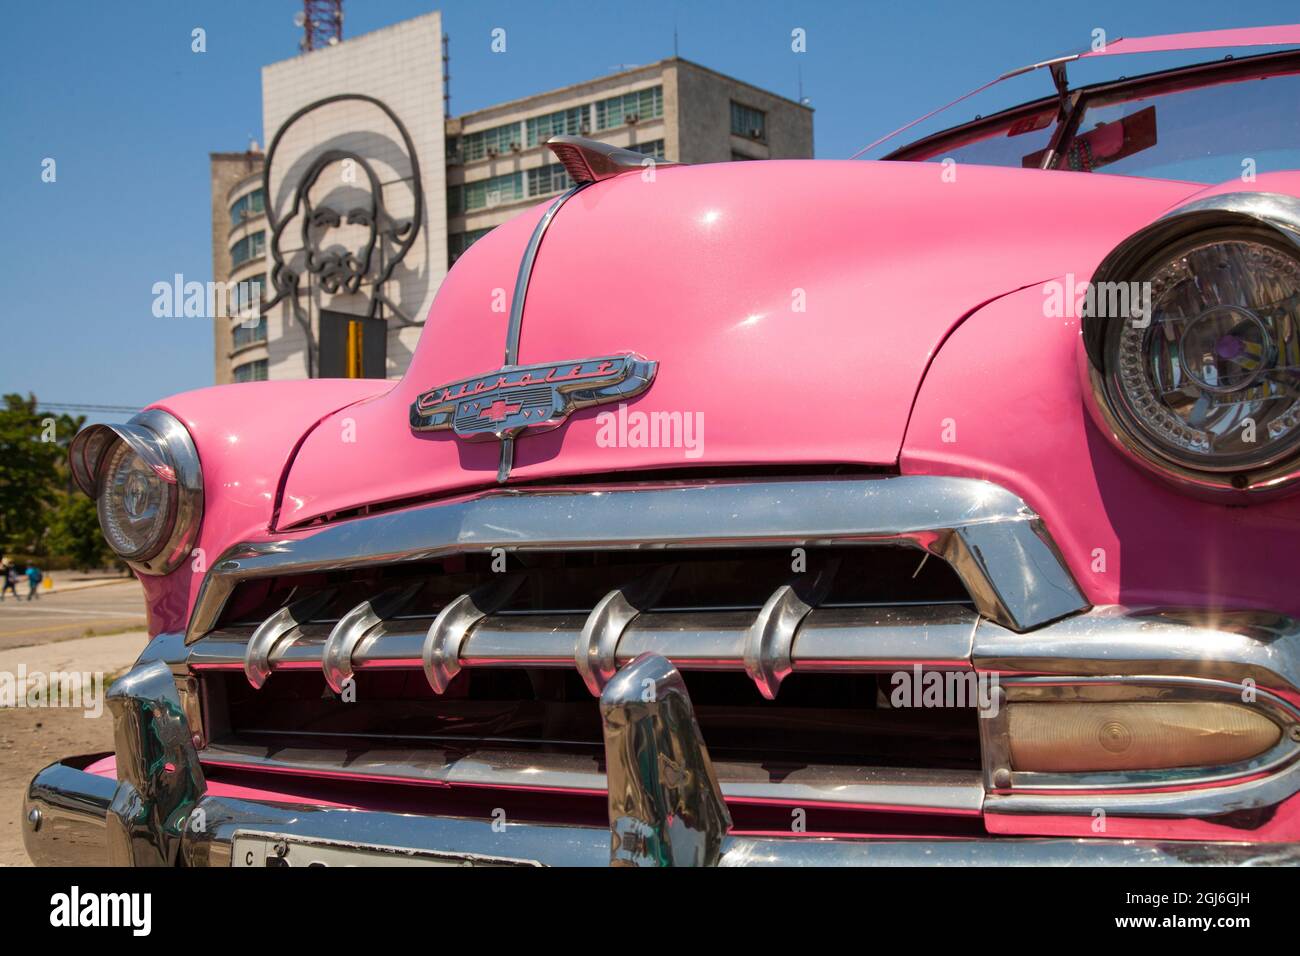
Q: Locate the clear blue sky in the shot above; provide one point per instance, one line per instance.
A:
(112, 91)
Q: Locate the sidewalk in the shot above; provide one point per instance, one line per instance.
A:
(108, 655)
(33, 738)
(76, 581)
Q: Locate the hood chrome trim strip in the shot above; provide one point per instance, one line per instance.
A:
(515, 327)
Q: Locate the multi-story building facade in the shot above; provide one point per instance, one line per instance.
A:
(357, 136)
(239, 259)
(673, 109)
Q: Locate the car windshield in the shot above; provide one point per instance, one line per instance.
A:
(1205, 133)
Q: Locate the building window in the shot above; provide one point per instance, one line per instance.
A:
(748, 122)
(251, 371)
(455, 201)
(246, 207)
(570, 122)
(247, 293)
(250, 333)
(547, 180)
(489, 142)
(458, 242)
(653, 148)
(487, 193)
(250, 247)
(630, 108)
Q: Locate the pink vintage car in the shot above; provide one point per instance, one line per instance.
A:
(940, 509)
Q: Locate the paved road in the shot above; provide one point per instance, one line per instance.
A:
(76, 613)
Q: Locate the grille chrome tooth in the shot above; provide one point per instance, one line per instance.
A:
(275, 629)
(769, 645)
(596, 651)
(336, 656)
(440, 654)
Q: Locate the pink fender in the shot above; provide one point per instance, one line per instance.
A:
(1006, 389)
(245, 436)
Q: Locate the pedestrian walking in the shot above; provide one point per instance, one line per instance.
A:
(34, 577)
(10, 575)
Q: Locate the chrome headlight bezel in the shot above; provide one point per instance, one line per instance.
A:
(165, 446)
(1267, 218)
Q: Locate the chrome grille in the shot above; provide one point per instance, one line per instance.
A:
(767, 587)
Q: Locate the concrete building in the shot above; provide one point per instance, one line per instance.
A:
(239, 257)
(674, 109)
(373, 193)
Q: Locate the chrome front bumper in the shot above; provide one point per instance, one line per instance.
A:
(665, 806)
(72, 808)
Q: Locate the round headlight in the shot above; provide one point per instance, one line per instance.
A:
(1211, 380)
(1200, 375)
(147, 485)
(135, 507)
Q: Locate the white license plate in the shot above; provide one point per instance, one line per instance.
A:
(274, 850)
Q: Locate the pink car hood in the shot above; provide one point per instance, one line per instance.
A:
(792, 308)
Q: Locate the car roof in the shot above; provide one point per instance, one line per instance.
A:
(1287, 34)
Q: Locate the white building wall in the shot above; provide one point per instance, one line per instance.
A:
(401, 66)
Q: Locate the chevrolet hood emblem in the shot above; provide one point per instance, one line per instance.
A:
(517, 399)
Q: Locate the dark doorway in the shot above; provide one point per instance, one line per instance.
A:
(352, 346)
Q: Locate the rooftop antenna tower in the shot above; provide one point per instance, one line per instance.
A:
(446, 76)
(321, 22)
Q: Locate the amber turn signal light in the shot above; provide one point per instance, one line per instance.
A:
(1075, 737)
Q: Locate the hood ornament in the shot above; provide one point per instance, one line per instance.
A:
(507, 403)
(590, 161)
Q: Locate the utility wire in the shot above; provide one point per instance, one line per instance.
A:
(74, 407)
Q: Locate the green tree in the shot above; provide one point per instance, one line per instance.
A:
(33, 470)
(74, 532)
